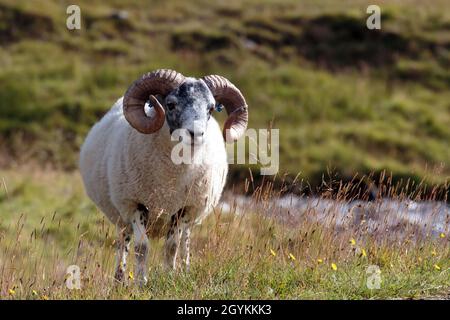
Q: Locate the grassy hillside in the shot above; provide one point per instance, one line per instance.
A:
(344, 98)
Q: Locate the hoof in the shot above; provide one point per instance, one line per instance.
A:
(119, 277)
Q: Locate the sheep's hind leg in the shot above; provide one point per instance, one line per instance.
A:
(123, 247)
(141, 243)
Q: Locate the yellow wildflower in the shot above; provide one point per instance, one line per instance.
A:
(34, 292)
(319, 261)
(44, 297)
(442, 235)
(334, 266)
(273, 252)
(11, 292)
(352, 241)
(292, 257)
(130, 275)
(433, 252)
(437, 267)
(363, 253)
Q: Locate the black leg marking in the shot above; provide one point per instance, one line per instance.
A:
(123, 246)
(143, 217)
(177, 217)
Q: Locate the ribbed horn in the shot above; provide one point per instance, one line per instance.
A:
(162, 82)
(231, 97)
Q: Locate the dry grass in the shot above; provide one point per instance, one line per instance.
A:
(47, 224)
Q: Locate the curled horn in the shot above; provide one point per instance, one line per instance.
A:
(229, 95)
(161, 82)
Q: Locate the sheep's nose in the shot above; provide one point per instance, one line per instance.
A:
(194, 134)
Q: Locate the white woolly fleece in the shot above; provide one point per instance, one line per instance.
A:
(122, 168)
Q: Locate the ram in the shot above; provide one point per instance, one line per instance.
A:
(127, 161)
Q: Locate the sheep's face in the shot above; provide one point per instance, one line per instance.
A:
(189, 108)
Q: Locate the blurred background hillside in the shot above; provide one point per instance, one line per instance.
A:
(345, 98)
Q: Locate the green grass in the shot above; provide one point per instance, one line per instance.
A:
(47, 224)
(344, 97)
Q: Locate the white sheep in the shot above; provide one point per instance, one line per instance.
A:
(127, 168)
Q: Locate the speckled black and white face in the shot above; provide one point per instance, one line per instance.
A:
(189, 107)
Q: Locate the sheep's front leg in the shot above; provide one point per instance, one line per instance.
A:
(141, 244)
(172, 244)
(185, 246)
(123, 247)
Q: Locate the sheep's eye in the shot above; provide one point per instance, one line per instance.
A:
(171, 105)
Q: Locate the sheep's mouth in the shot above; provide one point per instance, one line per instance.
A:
(195, 143)
(189, 141)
